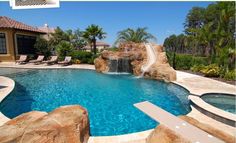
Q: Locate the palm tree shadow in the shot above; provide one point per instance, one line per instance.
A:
(19, 101)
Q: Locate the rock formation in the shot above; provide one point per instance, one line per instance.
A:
(162, 134)
(130, 57)
(67, 124)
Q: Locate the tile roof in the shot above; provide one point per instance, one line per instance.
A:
(6, 22)
(100, 43)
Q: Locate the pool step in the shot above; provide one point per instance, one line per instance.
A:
(188, 131)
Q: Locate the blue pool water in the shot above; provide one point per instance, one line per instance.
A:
(226, 102)
(109, 99)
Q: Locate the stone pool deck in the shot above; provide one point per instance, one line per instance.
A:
(45, 66)
(197, 85)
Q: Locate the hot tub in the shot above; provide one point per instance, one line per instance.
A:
(219, 106)
(226, 102)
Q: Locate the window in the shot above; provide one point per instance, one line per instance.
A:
(3, 46)
(25, 44)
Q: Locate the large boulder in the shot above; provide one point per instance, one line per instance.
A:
(101, 65)
(162, 72)
(14, 129)
(162, 134)
(66, 124)
(133, 56)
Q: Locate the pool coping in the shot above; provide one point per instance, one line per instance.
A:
(139, 136)
(214, 112)
(8, 86)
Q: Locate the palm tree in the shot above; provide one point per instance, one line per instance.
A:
(91, 34)
(138, 35)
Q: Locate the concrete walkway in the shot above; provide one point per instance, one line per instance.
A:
(199, 85)
(45, 66)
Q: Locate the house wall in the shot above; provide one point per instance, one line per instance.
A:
(10, 56)
(11, 44)
(100, 48)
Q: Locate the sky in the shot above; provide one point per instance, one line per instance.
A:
(161, 18)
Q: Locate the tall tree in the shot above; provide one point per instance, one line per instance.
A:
(175, 44)
(92, 33)
(138, 35)
(194, 20)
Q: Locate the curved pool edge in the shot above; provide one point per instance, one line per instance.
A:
(125, 138)
(42, 66)
(213, 112)
(7, 87)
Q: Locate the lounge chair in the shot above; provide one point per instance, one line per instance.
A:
(67, 61)
(53, 60)
(38, 60)
(22, 59)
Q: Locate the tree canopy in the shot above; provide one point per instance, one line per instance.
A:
(209, 32)
(138, 35)
(92, 33)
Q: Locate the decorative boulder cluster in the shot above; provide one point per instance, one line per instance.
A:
(130, 57)
(67, 124)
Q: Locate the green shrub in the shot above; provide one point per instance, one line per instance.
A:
(212, 70)
(42, 47)
(183, 62)
(197, 68)
(199, 60)
(230, 75)
(186, 61)
(64, 49)
(83, 56)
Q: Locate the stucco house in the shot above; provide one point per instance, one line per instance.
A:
(48, 30)
(99, 45)
(16, 38)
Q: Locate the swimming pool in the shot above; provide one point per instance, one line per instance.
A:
(108, 98)
(226, 102)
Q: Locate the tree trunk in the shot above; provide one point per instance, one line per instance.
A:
(94, 46)
(174, 66)
(207, 50)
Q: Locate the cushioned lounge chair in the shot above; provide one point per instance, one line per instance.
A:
(38, 60)
(52, 60)
(22, 59)
(67, 61)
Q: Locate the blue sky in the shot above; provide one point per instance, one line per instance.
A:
(161, 18)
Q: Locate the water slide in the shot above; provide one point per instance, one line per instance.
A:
(151, 58)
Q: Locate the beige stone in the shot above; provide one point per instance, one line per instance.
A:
(162, 134)
(136, 53)
(210, 129)
(100, 65)
(12, 130)
(162, 72)
(67, 124)
(161, 58)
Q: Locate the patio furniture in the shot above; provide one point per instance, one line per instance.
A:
(38, 60)
(22, 59)
(67, 61)
(52, 60)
